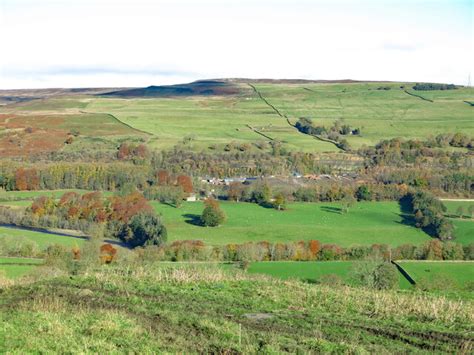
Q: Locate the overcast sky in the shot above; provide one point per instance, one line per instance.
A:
(97, 43)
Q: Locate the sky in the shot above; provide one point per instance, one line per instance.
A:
(118, 43)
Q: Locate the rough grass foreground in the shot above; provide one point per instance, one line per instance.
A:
(208, 309)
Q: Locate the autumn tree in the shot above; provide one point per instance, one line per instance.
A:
(163, 177)
(235, 191)
(314, 248)
(280, 202)
(185, 182)
(123, 208)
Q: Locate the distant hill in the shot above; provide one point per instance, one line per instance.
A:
(198, 88)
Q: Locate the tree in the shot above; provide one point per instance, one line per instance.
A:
(470, 210)
(21, 182)
(186, 183)
(280, 202)
(163, 177)
(363, 193)
(235, 191)
(452, 251)
(212, 215)
(143, 229)
(262, 195)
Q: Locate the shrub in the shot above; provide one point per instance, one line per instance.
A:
(469, 251)
(18, 246)
(363, 193)
(378, 275)
(331, 280)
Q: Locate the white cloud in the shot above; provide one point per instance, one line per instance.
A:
(138, 43)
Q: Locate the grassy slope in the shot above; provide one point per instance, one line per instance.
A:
(366, 223)
(459, 272)
(208, 310)
(41, 239)
(15, 271)
(210, 120)
(380, 113)
(17, 267)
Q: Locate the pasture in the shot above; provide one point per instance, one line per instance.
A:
(447, 277)
(381, 114)
(365, 224)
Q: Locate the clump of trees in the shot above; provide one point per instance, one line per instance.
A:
(129, 218)
(129, 151)
(144, 228)
(212, 215)
(433, 86)
(168, 188)
(333, 133)
(429, 215)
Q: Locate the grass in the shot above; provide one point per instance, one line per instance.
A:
(14, 260)
(312, 271)
(31, 195)
(15, 271)
(209, 310)
(463, 231)
(16, 267)
(43, 240)
(450, 278)
(365, 224)
(461, 272)
(381, 114)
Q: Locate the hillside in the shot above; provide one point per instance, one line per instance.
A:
(211, 114)
(202, 309)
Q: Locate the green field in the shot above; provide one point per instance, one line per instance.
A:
(365, 224)
(460, 272)
(40, 238)
(381, 114)
(312, 272)
(7, 196)
(464, 231)
(17, 267)
(209, 310)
